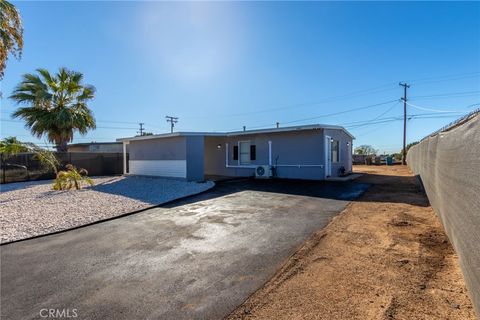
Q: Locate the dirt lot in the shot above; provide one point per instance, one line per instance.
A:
(385, 257)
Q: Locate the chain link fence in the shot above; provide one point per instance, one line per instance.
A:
(448, 163)
(25, 166)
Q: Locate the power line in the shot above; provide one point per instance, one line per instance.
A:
(112, 121)
(101, 127)
(385, 112)
(451, 94)
(298, 105)
(451, 77)
(329, 114)
(370, 131)
(360, 124)
(436, 110)
(377, 89)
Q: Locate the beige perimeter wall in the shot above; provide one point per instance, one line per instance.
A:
(449, 166)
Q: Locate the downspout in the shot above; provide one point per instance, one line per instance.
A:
(270, 153)
(226, 155)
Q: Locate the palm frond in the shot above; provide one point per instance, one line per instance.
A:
(57, 104)
(11, 34)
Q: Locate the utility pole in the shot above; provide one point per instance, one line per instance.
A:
(141, 128)
(172, 121)
(404, 151)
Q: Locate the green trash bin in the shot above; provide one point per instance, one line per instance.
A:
(389, 160)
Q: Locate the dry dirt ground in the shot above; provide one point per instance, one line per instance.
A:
(385, 257)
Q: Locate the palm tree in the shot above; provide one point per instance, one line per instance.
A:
(11, 34)
(11, 146)
(57, 105)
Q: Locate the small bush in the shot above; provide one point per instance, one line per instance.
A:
(71, 178)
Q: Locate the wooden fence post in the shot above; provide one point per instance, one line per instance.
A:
(2, 160)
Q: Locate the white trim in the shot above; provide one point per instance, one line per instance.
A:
(226, 154)
(338, 151)
(243, 167)
(349, 157)
(125, 157)
(269, 153)
(240, 152)
(328, 156)
(169, 135)
(299, 165)
(239, 133)
(278, 165)
(239, 166)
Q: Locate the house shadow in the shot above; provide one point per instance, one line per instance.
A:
(384, 189)
(391, 189)
(318, 189)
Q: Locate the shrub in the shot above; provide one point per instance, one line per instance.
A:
(71, 178)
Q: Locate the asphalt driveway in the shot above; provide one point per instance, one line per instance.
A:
(196, 258)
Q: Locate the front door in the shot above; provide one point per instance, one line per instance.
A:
(328, 156)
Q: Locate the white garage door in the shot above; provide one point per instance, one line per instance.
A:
(160, 168)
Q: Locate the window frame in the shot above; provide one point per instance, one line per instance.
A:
(240, 162)
(337, 158)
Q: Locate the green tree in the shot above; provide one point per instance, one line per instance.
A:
(56, 105)
(11, 146)
(71, 178)
(411, 144)
(11, 34)
(365, 149)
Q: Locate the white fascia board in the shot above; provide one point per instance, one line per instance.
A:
(168, 135)
(238, 133)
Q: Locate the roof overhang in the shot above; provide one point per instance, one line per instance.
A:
(81, 144)
(237, 133)
(169, 135)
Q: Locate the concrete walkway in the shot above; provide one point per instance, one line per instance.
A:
(194, 259)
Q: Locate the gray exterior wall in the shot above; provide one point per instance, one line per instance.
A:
(195, 158)
(173, 148)
(296, 154)
(300, 154)
(345, 151)
(189, 148)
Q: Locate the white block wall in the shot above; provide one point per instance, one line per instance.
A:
(161, 168)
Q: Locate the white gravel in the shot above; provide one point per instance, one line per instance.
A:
(32, 208)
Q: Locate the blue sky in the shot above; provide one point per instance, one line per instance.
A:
(222, 65)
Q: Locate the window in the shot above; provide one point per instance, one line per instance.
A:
(235, 152)
(253, 152)
(244, 152)
(335, 151)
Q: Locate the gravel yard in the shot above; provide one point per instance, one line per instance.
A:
(32, 208)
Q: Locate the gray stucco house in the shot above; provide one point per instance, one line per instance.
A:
(313, 152)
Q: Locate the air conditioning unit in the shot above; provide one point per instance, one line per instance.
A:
(263, 172)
